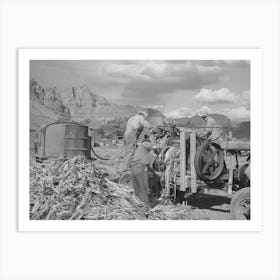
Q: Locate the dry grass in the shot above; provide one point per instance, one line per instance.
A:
(75, 189)
(82, 189)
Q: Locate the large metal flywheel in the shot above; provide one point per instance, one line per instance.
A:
(209, 161)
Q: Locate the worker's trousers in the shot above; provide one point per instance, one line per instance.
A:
(140, 181)
(129, 143)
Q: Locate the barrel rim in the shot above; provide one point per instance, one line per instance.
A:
(64, 122)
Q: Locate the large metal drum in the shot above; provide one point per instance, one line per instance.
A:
(76, 141)
(53, 140)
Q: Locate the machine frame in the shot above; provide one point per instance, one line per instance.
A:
(198, 186)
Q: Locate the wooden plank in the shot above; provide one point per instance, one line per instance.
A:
(182, 160)
(235, 145)
(192, 156)
(212, 191)
(230, 179)
(184, 129)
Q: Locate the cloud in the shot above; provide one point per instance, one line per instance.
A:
(223, 95)
(221, 63)
(123, 72)
(171, 83)
(238, 63)
(156, 107)
(137, 81)
(186, 112)
(148, 81)
(245, 99)
(180, 113)
(205, 109)
(238, 114)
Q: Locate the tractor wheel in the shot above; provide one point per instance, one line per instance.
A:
(244, 180)
(240, 205)
(209, 161)
(126, 179)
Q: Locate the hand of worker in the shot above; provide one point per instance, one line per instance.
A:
(151, 131)
(158, 173)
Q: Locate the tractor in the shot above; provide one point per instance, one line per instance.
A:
(190, 166)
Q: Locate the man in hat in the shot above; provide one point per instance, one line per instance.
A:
(134, 127)
(211, 131)
(142, 162)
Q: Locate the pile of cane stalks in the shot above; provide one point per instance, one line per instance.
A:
(169, 211)
(74, 189)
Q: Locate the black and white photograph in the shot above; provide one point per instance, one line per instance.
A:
(139, 139)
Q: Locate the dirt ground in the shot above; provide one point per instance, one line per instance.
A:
(202, 207)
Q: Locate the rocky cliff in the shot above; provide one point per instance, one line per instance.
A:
(47, 97)
(81, 101)
(82, 105)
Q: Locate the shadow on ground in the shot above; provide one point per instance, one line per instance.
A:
(210, 202)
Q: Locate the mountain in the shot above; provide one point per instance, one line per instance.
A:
(45, 107)
(41, 115)
(79, 104)
(242, 131)
(239, 130)
(81, 101)
(47, 97)
(82, 105)
(197, 121)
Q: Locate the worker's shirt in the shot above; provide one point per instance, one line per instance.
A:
(248, 172)
(136, 122)
(213, 128)
(142, 156)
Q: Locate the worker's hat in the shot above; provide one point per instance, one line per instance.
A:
(144, 113)
(203, 112)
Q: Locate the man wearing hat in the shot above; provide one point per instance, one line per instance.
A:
(134, 127)
(211, 132)
(142, 162)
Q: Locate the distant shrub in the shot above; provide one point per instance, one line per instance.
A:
(112, 129)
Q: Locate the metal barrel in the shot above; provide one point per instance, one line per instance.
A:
(76, 141)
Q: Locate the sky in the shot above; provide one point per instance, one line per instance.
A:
(178, 87)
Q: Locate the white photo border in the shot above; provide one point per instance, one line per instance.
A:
(255, 58)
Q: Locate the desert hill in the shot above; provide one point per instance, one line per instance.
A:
(41, 115)
(197, 121)
(242, 130)
(82, 105)
(239, 130)
(78, 104)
